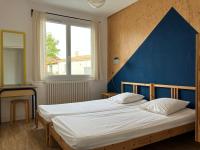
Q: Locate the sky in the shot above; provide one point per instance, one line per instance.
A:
(80, 39)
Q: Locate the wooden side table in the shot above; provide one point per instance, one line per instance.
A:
(108, 94)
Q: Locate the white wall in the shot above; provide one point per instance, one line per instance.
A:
(15, 15)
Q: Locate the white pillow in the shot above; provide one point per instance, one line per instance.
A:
(125, 98)
(164, 106)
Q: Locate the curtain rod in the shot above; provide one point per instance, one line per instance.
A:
(65, 16)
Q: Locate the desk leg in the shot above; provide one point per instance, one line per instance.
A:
(33, 108)
(35, 102)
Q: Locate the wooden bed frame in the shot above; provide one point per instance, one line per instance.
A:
(139, 141)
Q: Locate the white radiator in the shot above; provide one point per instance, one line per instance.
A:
(67, 91)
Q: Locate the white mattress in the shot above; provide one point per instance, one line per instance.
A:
(89, 131)
(50, 111)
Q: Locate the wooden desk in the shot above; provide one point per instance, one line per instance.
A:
(19, 91)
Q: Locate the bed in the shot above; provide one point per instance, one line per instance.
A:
(50, 111)
(124, 129)
(90, 131)
(47, 112)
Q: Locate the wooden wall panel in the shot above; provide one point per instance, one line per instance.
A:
(128, 28)
(197, 125)
(1, 48)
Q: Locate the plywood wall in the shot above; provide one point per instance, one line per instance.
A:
(197, 124)
(128, 28)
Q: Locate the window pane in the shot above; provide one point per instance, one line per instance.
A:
(55, 48)
(80, 51)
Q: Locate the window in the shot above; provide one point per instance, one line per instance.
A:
(68, 49)
(80, 51)
(56, 48)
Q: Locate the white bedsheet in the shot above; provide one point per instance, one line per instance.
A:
(88, 131)
(50, 111)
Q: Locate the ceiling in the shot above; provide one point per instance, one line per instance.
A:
(110, 7)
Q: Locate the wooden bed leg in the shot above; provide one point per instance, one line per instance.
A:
(45, 125)
(50, 141)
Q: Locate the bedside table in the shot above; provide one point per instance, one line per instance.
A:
(108, 94)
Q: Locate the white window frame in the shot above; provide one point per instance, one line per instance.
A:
(70, 22)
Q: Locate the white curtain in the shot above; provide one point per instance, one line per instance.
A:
(39, 34)
(96, 62)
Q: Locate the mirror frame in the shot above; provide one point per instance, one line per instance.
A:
(1, 55)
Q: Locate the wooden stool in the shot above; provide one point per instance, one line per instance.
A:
(13, 109)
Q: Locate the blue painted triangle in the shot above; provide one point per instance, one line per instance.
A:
(167, 56)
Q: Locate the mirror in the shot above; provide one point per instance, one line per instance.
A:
(13, 57)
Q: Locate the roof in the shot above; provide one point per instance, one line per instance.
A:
(57, 60)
